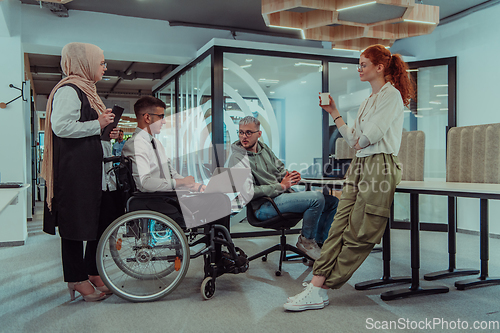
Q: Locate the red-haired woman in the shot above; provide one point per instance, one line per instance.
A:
(369, 189)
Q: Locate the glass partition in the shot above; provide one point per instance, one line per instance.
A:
(194, 121)
(431, 117)
(167, 135)
(283, 94)
(281, 90)
(348, 92)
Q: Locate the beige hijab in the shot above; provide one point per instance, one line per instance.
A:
(79, 63)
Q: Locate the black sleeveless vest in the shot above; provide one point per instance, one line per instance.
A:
(77, 182)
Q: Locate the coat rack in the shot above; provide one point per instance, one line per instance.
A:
(4, 105)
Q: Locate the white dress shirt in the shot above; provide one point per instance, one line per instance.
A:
(380, 118)
(146, 167)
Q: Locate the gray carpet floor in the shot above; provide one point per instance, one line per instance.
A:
(34, 298)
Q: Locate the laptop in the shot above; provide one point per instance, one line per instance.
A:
(228, 180)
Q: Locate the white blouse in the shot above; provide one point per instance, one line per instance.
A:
(380, 118)
(66, 113)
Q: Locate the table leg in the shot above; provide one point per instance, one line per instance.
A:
(386, 256)
(415, 289)
(484, 253)
(452, 248)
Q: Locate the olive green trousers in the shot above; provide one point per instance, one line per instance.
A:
(361, 217)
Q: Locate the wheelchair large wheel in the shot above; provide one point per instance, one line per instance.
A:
(143, 256)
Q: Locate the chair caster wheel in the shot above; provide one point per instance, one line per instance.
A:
(278, 273)
(304, 260)
(264, 258)
(208, 288)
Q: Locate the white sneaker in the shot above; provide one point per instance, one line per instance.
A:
(308, 299)
(309, 247)
(322, 293)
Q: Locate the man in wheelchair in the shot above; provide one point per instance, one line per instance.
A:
(153, 174)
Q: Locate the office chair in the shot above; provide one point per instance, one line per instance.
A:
(282, 222)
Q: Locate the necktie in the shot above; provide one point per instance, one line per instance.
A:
(162, 175)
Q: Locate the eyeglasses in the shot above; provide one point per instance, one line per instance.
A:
(246, 133)
(158, 115)
(104, 64)
(361, 67)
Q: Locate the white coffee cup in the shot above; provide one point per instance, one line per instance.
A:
(325, 98)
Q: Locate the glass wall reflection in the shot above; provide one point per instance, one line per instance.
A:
(283, 94)
(167, 135)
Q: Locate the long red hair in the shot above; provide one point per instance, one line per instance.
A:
(395, 70)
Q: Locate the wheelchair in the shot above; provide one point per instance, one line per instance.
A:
(144, 255)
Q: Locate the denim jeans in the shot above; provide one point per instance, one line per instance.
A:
(318, 210)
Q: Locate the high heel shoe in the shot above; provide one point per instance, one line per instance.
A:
(92, 297)
(104, 289)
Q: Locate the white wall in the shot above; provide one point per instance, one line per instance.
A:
(474, 41)
(12, 122)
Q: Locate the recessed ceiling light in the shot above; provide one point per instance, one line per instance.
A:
(356, 6)
(350, 50)
(344, 68)
(246, 66)
(301, 30)
(271, 92)
(303, 81)
(415, 21)
(248, 60)
(440, 85)
(442, 95)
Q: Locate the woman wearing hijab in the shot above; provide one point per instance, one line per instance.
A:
(72, 166)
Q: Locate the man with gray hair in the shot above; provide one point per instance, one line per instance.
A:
(273, 180)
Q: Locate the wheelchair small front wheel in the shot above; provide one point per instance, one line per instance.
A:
(143, 256)
(208, 288)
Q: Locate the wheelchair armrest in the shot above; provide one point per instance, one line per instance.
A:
(113, 159)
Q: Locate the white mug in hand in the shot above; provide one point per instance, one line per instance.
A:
(325, 98)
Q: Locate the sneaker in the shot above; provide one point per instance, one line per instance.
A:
(308, 299)
(309, 263)
(322, 293)
(309, 247)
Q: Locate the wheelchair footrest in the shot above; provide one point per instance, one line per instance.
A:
(237, 265)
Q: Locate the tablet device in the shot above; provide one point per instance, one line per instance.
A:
(118, 111)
